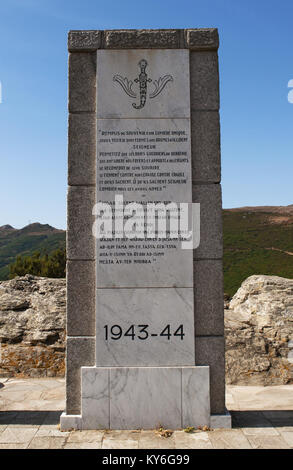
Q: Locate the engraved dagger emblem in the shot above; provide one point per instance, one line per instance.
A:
(143, 81)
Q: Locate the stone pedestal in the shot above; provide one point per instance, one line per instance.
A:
(143, 397)
(145, 321)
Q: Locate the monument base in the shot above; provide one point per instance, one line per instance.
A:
(143, 398)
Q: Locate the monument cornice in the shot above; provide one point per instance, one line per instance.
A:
(195, 39)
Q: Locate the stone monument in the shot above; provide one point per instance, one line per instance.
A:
(145, 344)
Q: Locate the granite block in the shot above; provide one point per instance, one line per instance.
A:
(82, 82)
(202, 39)
(80, 352)
(210, 351)
(208, 298)
(204, 81)
(84, 40)
(205, 147)
(195, 39)
(211, 238)
(142, 39)
(81, 298)
(81, 149)
(80, 240)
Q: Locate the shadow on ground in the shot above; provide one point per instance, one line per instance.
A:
(240, 419)
(30, 417)
(261, 419)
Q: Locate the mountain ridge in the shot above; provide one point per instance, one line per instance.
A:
(256, 239)
(26, 240)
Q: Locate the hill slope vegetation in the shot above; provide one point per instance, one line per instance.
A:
(33, 237)
(257, 240)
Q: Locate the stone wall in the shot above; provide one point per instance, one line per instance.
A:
(258, 327)
(32, 327)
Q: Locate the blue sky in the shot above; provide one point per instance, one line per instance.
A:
(256, 64)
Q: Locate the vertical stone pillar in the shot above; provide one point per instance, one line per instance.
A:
(206, 161)
(198, 383)
(81, 198)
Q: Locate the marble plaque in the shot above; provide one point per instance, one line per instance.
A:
(165, 88)
(146, 327)
(145, 397)
(144, 285)
(143, 160)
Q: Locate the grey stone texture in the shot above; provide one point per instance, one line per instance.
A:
(81, 301)
(208, 297)
(204, 81)
(196, 39)
(84, 41)
(211, 238)
(206, 174)
(80, 240)
(202, 39)
(81, 149)
(143, 39)
(210, 351)
(80, 352)
(82, 82)
(205, 146)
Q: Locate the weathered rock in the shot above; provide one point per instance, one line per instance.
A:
(32, 326)
(259, 328)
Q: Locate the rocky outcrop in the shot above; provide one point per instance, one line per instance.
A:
(32, 327)
(259, 332)
(258, 326)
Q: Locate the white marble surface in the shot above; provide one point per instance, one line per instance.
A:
(143, 262)
(142, 398)
(141, 159)
(172, 101)
(145, 398)
(95, 398)
(168, 265)
(195, 396)
(156, 308)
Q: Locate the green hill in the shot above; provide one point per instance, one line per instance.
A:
(257, 240)
(25, 241)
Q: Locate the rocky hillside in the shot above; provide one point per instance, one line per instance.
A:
(259, 332)
(32, 327)
(257, 240)
(258, 325)
(25, 241)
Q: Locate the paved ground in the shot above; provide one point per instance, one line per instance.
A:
(30, 410)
